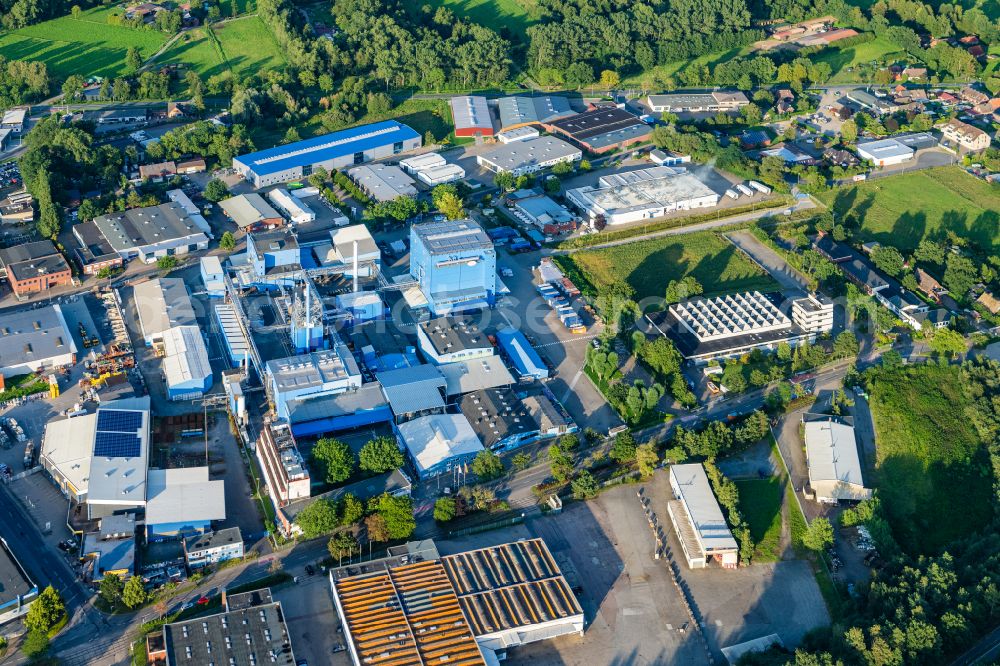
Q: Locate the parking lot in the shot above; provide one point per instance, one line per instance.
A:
(312, 621)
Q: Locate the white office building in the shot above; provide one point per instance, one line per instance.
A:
(885, 152)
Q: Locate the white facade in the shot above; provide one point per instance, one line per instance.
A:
(186, 367)
(885, 152)
(645, 194)
(212, 276)
(311, 375)
(518, 134)
(529, 156)
(834, 464)
(417, 163)
(441, 174)
(383, 182)
(296, 211)
(812, 314)
(702, 530)
(728, 316)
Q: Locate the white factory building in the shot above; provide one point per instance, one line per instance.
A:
(383, 182)
(833, 460)
(645, 194)
(35, 340)
(885, 152)
(698, 520)
(291, 206)
(417, 163)
(529, 156)
(306, 376)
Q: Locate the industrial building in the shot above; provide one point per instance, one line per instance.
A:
(352, 246)
(505, 420)
(538, 210)
(448, 339)
(521, 354)
(884, 152)
(35, 340)
(212, 276)
(281, 464)
(18, 590)
(251, 631)
(442, 174)
(480, 603)
(274, 257)
(519, 111)
(101, 458)
(471, 116)
(519, 134)
(110, 550)
(454, 265)
(383, 182)
(13, 119)
(331, 151)
(154, 231)
(311, 375)
(704, 329)
(186, 368)
(528, 156)
(833, 460)
(417, 163)
(251, 212)
(602, 129)
(338, 412)
(475, 375)
(713, 102)
(306, 328)
(34, 267)
(92, 250)
(698, 520)
(294, 209)
(162, 304)
(439, 442)
(870, 102)
(182, 502)
(644, 194)
(235, 340)
(202, 550)
(413, 391)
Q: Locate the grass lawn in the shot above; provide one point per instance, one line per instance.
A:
(842, 59)
(514, 15)
(88, 46)
(249, 46)
(196, 49)
(672, 69)
(932, 469)
(650, 264)
(760, 505)
(901, 210)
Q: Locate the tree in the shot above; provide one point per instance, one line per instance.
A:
(35, 644)
(959, 275)
(228, 241)
(397, 513)
(444, 509)
(381, 455)
(216, 190)
(947, 342)
(819, 535)
(111, 588)
(341, 545)
(377, 529)
(291, 135)
(846, 345)
(318, 518)
(585, 486)
(610, 79)
(167, 263)
(133, 60)
(784, 352)
(521, 461)
(451, 205)
(930, 252)
(647, 458)
(849, 131)
(334, 459)
(46, 611)
(623, 448)
(352, 510)
(504, 180)
(679, 290)
(560, 463)
(487, 466)
(134, 594)
(888, 259)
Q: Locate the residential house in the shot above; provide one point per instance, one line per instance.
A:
(929, 286)
(965, 135)
(157, 172)
(990, 302)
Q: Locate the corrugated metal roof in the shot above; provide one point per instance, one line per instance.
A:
(413, 389)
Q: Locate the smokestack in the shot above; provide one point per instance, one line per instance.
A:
(308, 322)
(355, 266)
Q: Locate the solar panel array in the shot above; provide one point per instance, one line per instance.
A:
(117, 434)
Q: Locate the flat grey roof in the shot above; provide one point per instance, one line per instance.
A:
(14, 580)
(28, 336)
(497, 413)
(140, 227)
(310, 370)
(183, 495)
(384, 182)
(451, 236)
(207, 640)
(453, 334)
(519, 154)
(210, 540)
(413, 389)
(519, 110)
(53, 263)
(163, 303)
(702, 508)
(366, 398)
(476, 374)
(248, 209)
(27, 252)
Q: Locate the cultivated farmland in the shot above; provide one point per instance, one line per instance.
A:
(648, 266)
(901, 210)
(87, 46)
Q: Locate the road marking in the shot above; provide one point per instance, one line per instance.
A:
(589, 336)
(572, 385)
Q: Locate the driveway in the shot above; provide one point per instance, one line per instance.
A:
(772, 262)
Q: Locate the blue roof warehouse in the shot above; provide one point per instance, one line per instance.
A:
(330, 151)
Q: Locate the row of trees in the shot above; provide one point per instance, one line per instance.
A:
(147, 85)
(336, 462)
(22, 82)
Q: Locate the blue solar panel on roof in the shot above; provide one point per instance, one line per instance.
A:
(117, 420)
(116, 445)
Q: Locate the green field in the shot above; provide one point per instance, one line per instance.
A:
(649, 265)
(932, 470)
(196, 50)
(760, 506)
(843, 59)
(901, 210)
(88, 46)
(249, 47)
(514, 15)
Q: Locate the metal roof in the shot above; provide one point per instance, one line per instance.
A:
(210, 540)
(162, 304)
(327, 147)
(29, 336)
(141, 227)
(471, 112)
(883, 149)
(520, 110)
(185, 361)
(524, 357)
(475, 375)
(433, 440)
(832, 455)
(413, 389)
(184, 495)
(520, 154)
(451, 236)
(702, 508)
(248, 209)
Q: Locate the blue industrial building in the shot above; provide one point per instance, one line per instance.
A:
(455, 266)
(334, 151)
(275, 256)
(521, 354)
(307, 319)
(341, 412)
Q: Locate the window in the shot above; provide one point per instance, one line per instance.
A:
(397, 147)
(359, 158)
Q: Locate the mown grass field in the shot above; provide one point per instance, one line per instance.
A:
(249, 46)
(843, 59)
(932, 470)
(648, 266)
(86, 46)
(196, 49)
(760, 506)
(901, 210)
(514, 15)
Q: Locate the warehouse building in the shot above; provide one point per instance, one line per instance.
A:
(454, 264)
(331, 151)
(212, 275)
(885, 152)
(439, 442)
(251, 212)
(471, 116)
(505, 419)
(383, 182)
(446, 340)
(480, 603)
(182, 502)
(293, 208)
(339, 412)
(645, 194)
(101, 458)
(704, 329)
(441, 174)
(529, 156)
(833, 460)
(312, 375)
(540, 211)
(413, 391)
(713, 102)
(18, 590)
(34, 267)
(237, 346)
(519, 111)
(518, 134)
(475, 375)
(162, 304)
(93, 251)
(522, 356)
(154, 231)
(417, 163)
(603, 129)
(35, 340)
(698, 520)
(186, 367)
